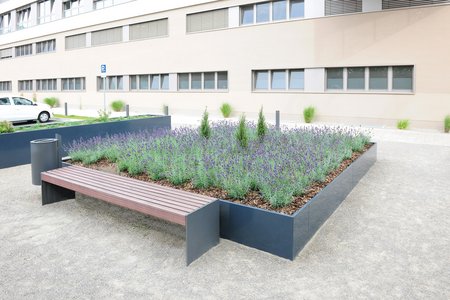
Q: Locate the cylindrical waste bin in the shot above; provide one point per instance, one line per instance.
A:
(44, 157)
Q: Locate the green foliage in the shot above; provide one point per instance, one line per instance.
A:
(403, 124)
(447, 124)
(205, 128)
(242, 133)
(261, 126)
(103, 116)
(52, 101)
(226, 110)
(6, 127)
(309, 113)
(118, 105)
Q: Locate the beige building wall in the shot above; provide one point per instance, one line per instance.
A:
(413, 36)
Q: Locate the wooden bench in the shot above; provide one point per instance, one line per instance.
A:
(199, 214)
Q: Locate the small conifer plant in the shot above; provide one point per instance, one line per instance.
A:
(447, 124)
(205, 129)
(242, 133)
(261, 127)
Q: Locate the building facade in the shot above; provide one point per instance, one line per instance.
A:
(368, 62)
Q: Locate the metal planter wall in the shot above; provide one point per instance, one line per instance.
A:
(285, 235)
(15, 147)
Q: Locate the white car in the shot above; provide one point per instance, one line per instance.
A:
(18, 109)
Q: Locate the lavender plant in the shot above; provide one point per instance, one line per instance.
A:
(283, 166)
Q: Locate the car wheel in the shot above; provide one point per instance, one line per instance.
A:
(44, 117)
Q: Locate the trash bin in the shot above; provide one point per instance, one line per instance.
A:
(44, 157)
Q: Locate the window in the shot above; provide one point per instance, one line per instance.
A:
(272, 11)
(378, 78)
(149, 81)
(390, 4)
(337, 7)
(23, 19)
(107, 36)
(263, 12)
(46, 46)
(297, 9)
(46, 12)
(25, 85)
(207, 81)
(76, 41)
(21, 101)
(24, 50)
(296, 79)
(335, 78)
(6, 53)
(278, 80)
(113, 83)
(46, 85)
(5, 101)
(402, 78)
(99, 4)
(149, 29)
(356, 78)
(72, 7)
(247, 14)
(5, 23)
(5, 86)
(207, 20)
(261, 80)
(279, 10)
(73, 84)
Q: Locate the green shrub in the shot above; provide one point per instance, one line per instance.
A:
(226, 110)
(261, 127)
(52, 101)
(205, 129)
(242, 133)
(6, 127)
(403, 124)
(447, 124)
(308, 114)
(117, 105)
(103, 116)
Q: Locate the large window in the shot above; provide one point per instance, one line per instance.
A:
(25, 85)
(272, 11)
(337, 7)
(46, 85)
(149, 29)
(107, 36)
(99, 4)
(72, 7)
(46, 46)
(6, 53)
(203, 81)
(46, 12)
(23, 19)
(278, 80)
(149, 82)
(207, 20)
(371, 79)
(24, 50)
(73, 84)
(5, 23)
(113, 83)
(76, 41)
(390, 4)
(5, 86)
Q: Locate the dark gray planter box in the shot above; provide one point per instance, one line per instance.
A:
(285, 235)
(15, 147)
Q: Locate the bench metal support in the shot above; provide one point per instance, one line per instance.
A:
(202, 231)
(52, 193)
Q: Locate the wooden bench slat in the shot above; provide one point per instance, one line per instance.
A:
(110, 187)
(155, 210)
(151, 187)
(201, 199)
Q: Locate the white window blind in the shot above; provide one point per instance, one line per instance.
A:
(149, 29)
(337, 7)
(107, 36)
(76, 41)
(207, 20)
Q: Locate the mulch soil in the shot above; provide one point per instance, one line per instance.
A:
(253, 198)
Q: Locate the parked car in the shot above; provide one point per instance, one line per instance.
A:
(18, 109)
